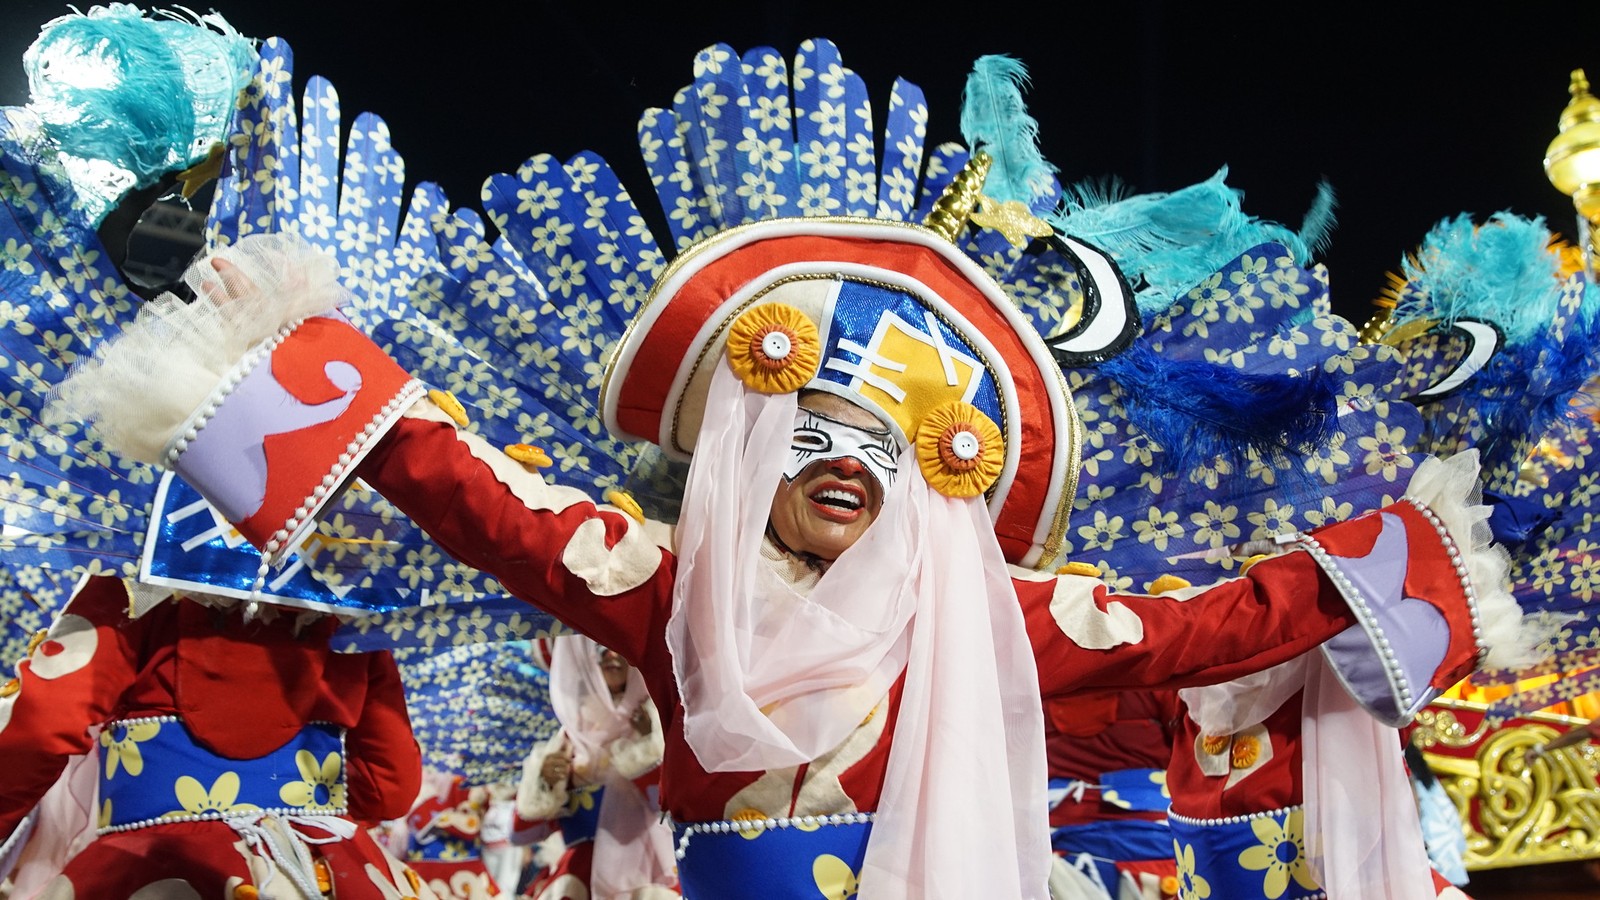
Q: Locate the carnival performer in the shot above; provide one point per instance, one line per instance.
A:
(595, 780)
(196, 787)
(444, 838)
(848, 626)
(238, 755)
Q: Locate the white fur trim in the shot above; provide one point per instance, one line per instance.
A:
(1450, 489)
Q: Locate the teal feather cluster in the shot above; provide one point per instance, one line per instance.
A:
(995, 119)
(1166, 243)
(145, 94)
(1500, 271)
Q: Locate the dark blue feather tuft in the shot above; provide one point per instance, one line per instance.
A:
(1199, 412)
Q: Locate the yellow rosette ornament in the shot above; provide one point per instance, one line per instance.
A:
(774, 348)
(959, 450)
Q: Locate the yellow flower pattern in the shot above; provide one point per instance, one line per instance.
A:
(1190, 885)
(1281, 854)
(120, 744)
(320, 787)
(834, 878)
(581, 798)
(220, 799)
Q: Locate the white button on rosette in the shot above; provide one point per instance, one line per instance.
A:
(776, 345)
(965, 445)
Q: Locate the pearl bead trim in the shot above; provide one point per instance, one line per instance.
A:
(197, 420)
(353, 452)
(1459, 562)
(1358, 605)
(760, 825)
(1231, 820)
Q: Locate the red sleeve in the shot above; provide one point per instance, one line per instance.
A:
(1086, 638)
(73, 679)
(385, 763)
(593, 567)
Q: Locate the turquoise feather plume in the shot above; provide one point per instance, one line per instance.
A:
(995, 119)
(1501, 271)
(1166, 243)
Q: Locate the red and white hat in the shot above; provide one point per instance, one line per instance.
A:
(889, 315)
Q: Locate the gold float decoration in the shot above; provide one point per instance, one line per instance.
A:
(1514, 814)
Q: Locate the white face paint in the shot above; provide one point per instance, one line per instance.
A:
(818, 437)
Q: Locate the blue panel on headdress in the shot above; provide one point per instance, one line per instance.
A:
(880, 342)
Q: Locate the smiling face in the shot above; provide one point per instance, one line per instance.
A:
(833, 486)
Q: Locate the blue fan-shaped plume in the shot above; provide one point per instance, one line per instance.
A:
(1199, 411)
(1506, 273)
(477, 709)
(1528, 411)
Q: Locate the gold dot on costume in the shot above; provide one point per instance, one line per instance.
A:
(1250, 563)
(529, 455)
(624, 501)
(1213, 744)
(750, 815)
(324, 876)
(1079, 568)
(1165, 583)
(451, 406)
(959, 449)
(774, 348)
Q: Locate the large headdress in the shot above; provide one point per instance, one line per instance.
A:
(803, 266)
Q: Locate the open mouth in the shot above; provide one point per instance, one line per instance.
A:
(839, 502)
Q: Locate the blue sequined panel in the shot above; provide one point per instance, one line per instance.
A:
(790, 863)
(1261, 856)
(155, 771)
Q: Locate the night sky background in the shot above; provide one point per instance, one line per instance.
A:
(1421, 113)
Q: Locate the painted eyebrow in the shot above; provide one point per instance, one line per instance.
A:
(883, 432)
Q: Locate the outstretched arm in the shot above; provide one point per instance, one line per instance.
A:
(594, 567)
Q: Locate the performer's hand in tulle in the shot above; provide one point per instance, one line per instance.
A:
(557, 767)
(641, 719)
